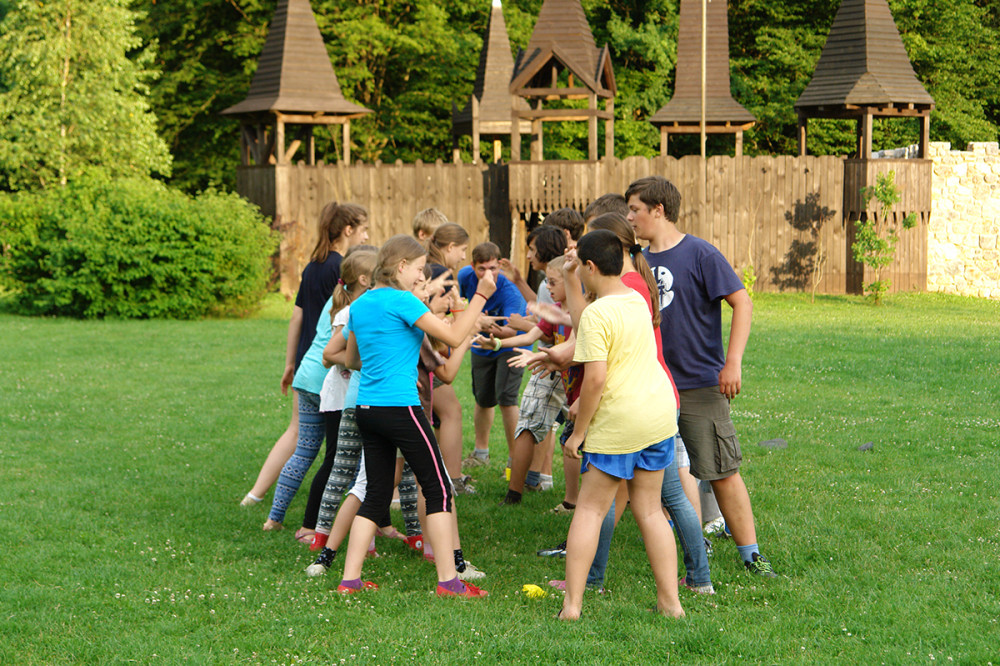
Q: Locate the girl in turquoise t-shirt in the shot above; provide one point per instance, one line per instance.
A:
(386, 329)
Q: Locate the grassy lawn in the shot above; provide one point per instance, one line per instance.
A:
(125, 447)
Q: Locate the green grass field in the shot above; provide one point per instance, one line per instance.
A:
(126, 446)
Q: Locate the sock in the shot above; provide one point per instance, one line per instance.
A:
(533, 478)
(454, 585)
(428, 551)
(254, 497)
(568, 505)
(545, 478)
(325, 557)
(459, 561)
(353, 584)
(371, 546)
(482, 454)
(513, 497)
(746, 552)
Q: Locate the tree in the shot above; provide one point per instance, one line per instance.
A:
(73, 80)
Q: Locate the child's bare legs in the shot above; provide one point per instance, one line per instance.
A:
(571, 468)
(542, 460)
(362, 532)
(483, 422)
(644, 492)
(342, 523)
(734, 502)
(509, 414)
(280, 453)
(690, 485)
(449, 435)
(521, 453)
(597, 492)
(439, 533)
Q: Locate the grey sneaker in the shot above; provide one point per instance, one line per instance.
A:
(472, 460)
(463, 486)
(697, 589)
(760, 566)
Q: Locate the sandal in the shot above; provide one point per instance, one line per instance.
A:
(305, 537)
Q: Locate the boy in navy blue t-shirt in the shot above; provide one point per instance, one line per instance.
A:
(693, 278)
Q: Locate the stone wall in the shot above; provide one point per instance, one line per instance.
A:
(962, 253)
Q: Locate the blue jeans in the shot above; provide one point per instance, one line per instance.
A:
(687, 526)
(685, 521)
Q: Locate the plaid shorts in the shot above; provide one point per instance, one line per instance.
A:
(541, 402)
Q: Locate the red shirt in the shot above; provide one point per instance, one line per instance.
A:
(633, 280)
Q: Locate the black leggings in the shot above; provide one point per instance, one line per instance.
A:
(384, 429)
(331, 422)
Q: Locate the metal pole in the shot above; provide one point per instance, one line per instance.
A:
(704, 50)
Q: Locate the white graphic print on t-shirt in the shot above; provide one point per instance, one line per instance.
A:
(665, 281)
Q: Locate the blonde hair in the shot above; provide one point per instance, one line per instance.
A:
(619, 226)
(333, 220)
(396, 250)
(357, 264)
(445, 235)
(427, 221)
(556, 263)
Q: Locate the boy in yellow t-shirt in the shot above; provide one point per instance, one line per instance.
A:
(629, 432)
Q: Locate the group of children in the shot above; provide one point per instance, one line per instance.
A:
(378, 335)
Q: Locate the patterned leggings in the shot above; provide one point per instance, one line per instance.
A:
(344, 472)
(311, 434)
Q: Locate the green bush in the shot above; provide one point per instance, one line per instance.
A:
(133, 248)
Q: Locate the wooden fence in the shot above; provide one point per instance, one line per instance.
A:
(791, 218)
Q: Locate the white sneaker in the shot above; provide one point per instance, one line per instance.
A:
(471, 572)
(314, 570)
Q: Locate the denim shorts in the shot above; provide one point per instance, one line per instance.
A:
(653, 458)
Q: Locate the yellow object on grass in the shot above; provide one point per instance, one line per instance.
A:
(534, 592)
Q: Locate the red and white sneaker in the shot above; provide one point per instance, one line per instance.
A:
(470, 591)
(416, 542)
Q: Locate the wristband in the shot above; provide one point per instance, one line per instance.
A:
(479, 293)
(498, 344)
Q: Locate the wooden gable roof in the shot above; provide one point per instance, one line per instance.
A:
(294, 73)
(492, 87)
(863, 63)
(562, 34)
(684, 107)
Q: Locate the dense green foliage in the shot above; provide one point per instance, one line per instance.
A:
(74, 81)
(409, 60)
(132, 248)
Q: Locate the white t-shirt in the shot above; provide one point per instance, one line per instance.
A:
(331, 396)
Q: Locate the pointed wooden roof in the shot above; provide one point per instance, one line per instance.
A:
(496, 65)
(294, 73)
(562, 33)
(863, 63)
(684, 107)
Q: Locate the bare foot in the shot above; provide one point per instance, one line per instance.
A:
(675, 612)
(567, 615)
(272, 525)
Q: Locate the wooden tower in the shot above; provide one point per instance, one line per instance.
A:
(294, 85)
(683, 113)
(487, 113)
(562, 44)
(864, 72)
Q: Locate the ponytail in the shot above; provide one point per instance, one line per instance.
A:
(617, 224)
